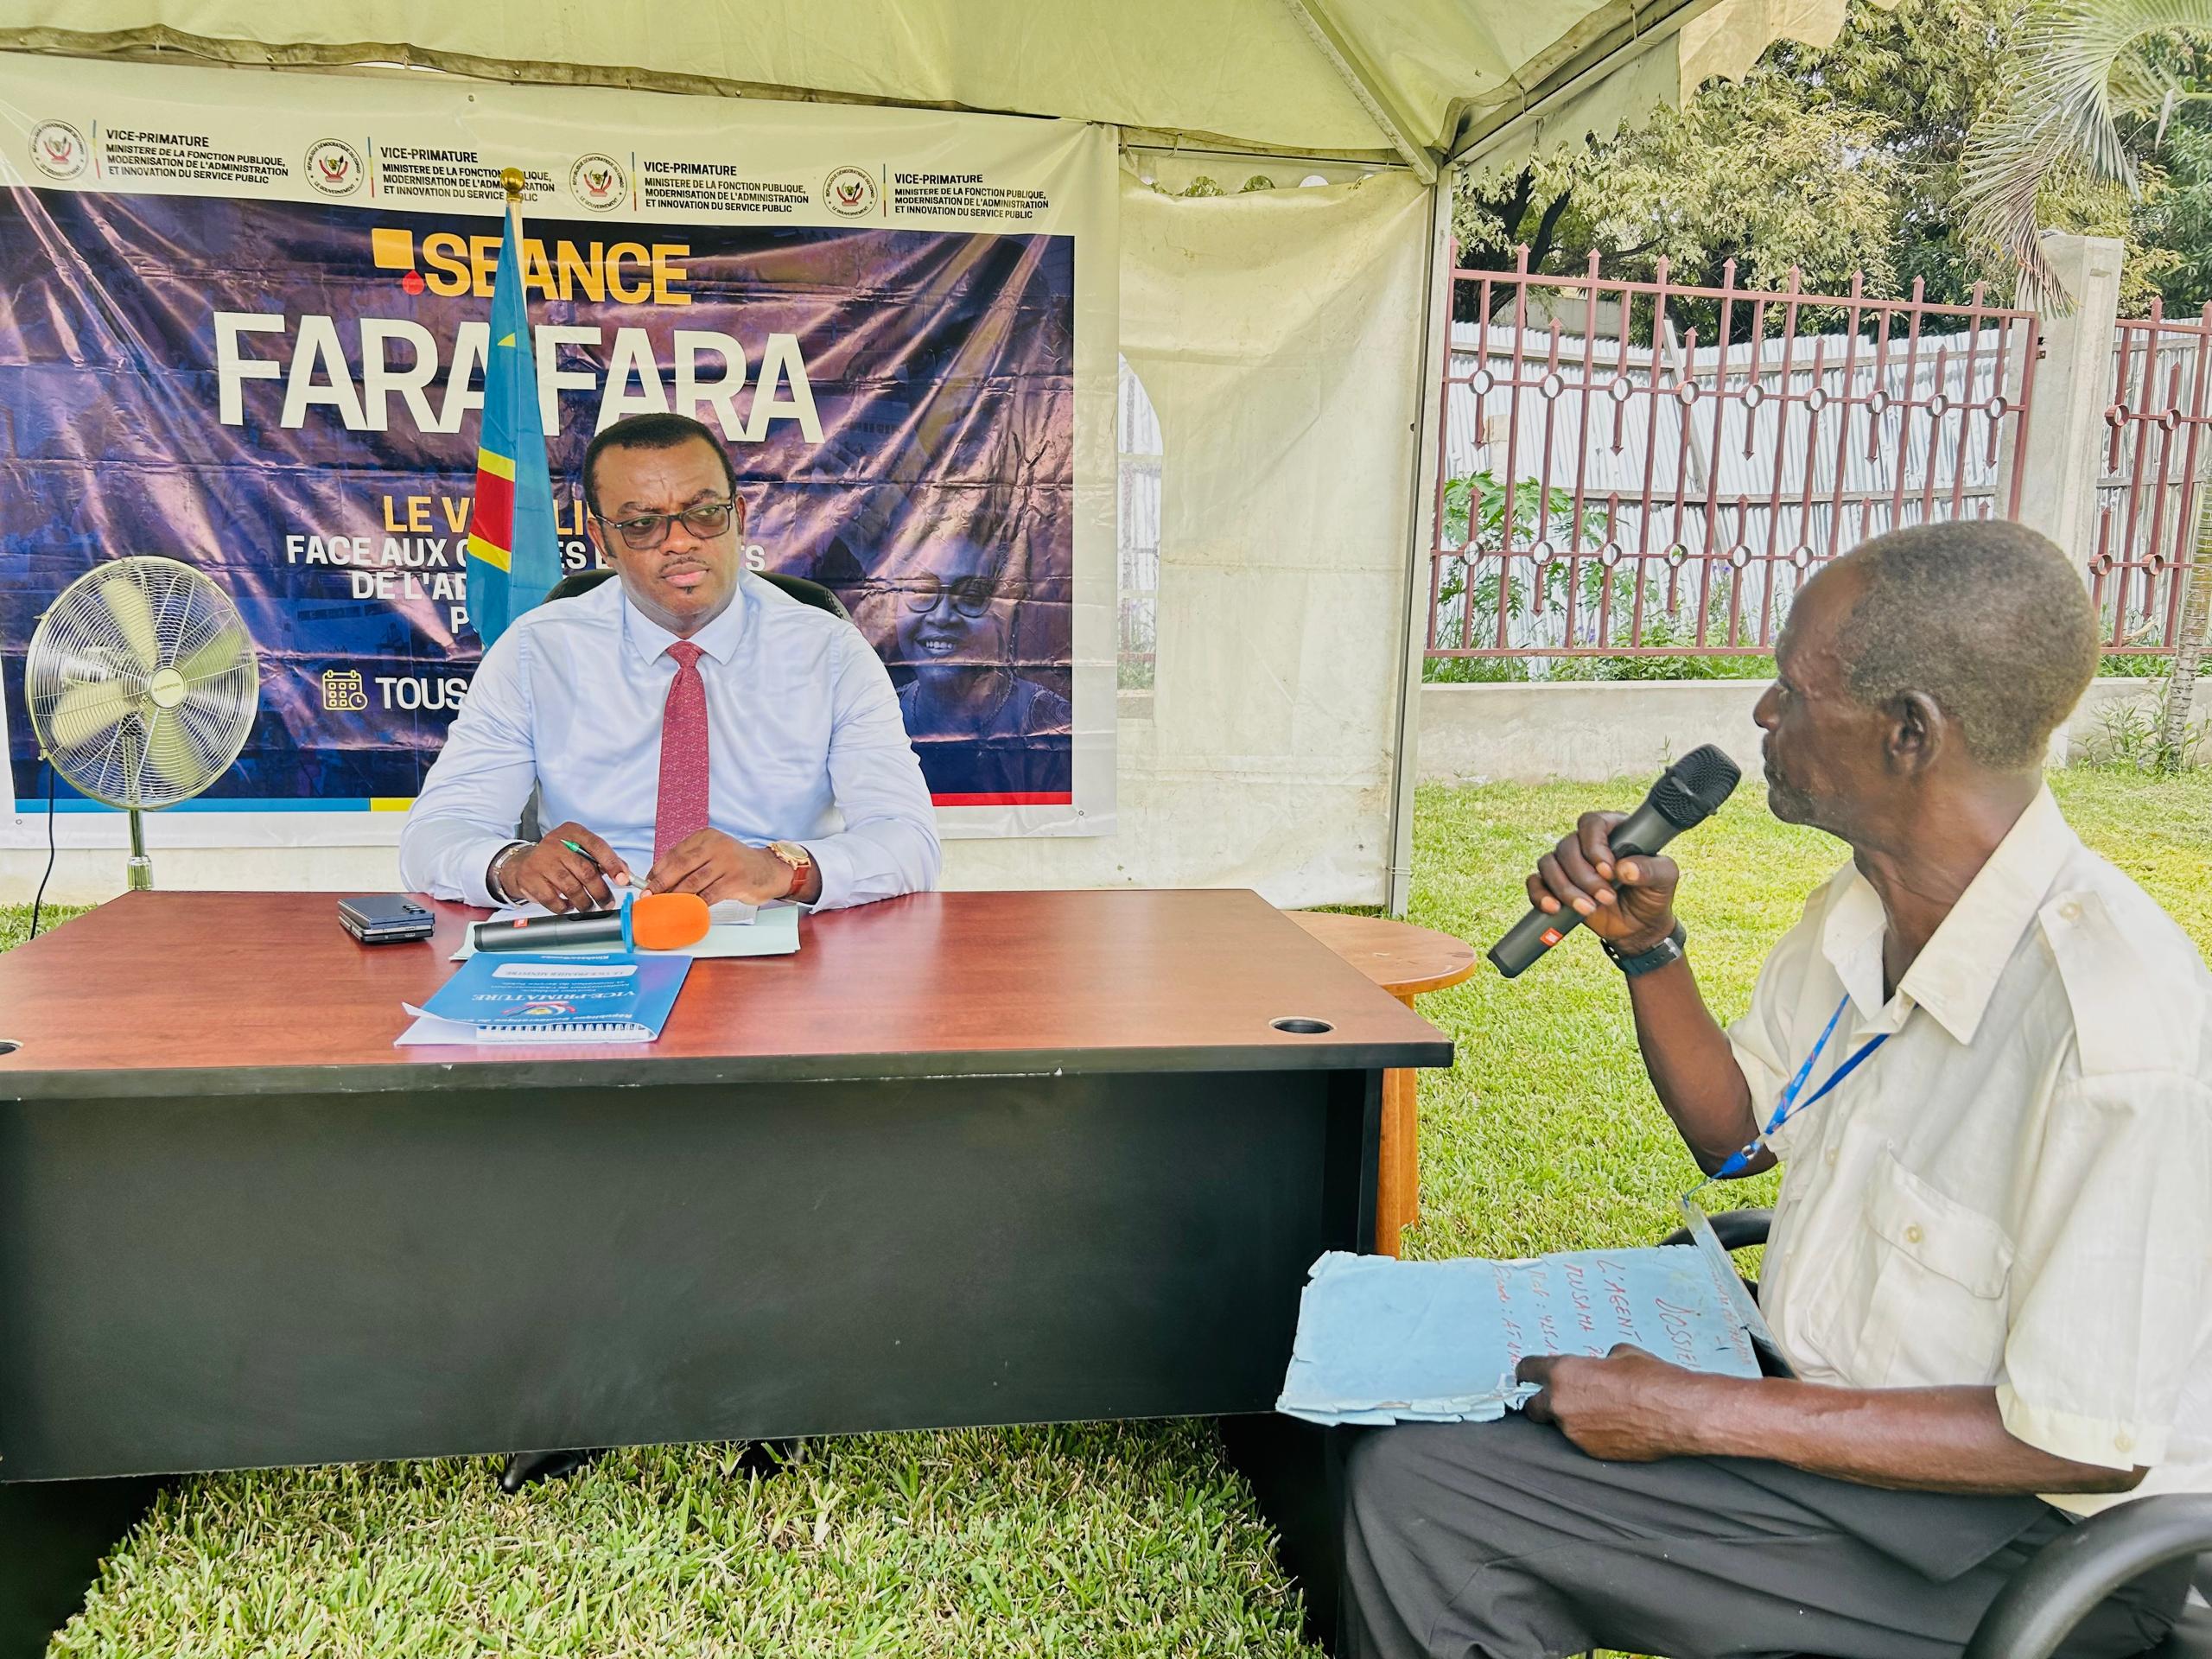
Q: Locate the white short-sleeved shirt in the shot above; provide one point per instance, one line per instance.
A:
(2016, 1190)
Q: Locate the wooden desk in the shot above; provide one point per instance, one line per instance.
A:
(967, 1159)
(1405, 961)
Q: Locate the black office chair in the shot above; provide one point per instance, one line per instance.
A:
(807, 593)
(2072, 1573)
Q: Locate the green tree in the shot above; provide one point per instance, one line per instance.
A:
(1748, 173)
(1857, 156)
(2094, 76)
(2175, 216)
(1842, 158)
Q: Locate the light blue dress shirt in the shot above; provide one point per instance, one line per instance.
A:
(805, 744)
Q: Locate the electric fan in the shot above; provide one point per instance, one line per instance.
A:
(142, 683)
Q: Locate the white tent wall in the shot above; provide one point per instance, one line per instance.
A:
(1278, 334)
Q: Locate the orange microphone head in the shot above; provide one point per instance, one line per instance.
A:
(668, 921)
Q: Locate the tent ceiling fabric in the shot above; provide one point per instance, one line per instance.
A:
(1417, 80)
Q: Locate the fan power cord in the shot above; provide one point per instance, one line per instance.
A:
(48, 876)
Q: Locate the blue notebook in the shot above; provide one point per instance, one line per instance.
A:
(495, 997)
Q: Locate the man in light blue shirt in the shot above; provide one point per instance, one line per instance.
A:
(690, 727)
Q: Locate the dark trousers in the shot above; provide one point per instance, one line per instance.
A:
(1502, 1541)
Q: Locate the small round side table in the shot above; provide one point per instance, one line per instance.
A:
(1405, 961)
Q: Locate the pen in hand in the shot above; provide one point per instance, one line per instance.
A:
(620, 878)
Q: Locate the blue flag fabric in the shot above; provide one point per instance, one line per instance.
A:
(514, 551)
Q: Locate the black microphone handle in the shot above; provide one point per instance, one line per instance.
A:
(545, 932)
(1645, 831)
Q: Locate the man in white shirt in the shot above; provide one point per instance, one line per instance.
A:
(690, 727)
(1989, 1261)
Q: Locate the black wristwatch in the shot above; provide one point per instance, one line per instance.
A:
(1668, 949)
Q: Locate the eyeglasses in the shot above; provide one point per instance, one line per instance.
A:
(647, 530)
(970, 595)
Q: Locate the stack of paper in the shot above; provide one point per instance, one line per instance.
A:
(1384, 1341)
(733, 929)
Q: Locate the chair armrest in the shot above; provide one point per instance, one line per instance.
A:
(1736, 1230)
(2071, 1574)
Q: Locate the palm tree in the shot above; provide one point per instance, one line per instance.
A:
(2086, 64)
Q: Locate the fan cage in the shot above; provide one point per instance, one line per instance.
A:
(141, 682)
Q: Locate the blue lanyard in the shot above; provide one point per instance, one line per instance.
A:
(1788, 1106)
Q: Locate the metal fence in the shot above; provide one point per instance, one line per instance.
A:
(1609, 486)
(2150, 492)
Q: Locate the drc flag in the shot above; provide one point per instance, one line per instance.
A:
(513, 554)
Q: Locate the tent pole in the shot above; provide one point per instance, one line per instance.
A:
(1654, 26)
(1421, 533)
(1382, 109)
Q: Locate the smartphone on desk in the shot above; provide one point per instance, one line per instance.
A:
(387, 918)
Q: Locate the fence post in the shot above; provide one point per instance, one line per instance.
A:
(2059, 463)
(2174, 749)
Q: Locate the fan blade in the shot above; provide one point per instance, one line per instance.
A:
(126, 603)
(84, 712)
(219, 656)
(173, 756)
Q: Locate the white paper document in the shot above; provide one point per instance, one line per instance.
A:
(733, 929)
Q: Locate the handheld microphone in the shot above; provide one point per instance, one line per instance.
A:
(1686, 793)
(660, 921)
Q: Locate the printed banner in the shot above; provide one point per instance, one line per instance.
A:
(249, 321)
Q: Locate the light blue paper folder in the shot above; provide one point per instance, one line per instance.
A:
(1385, 1341)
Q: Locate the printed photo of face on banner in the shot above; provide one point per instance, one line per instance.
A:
(978, 649)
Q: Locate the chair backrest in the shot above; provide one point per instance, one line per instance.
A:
(577, 581)
(807, 593)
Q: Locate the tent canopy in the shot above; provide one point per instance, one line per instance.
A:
(1283, 334)
(1416, 81)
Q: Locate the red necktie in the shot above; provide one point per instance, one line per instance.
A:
(680, 811)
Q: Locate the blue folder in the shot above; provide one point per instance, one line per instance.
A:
(501, 997)
(1385, 1341)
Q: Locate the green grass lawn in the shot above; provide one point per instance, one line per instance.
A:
(1119, 1539)
(15, 921)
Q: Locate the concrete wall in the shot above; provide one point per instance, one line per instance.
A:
(1532, 733)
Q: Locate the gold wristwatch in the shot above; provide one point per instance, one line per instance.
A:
(798, 858)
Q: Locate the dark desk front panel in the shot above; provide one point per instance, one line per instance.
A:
(236, 1281)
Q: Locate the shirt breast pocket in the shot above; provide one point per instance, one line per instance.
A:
(1933, 1309)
